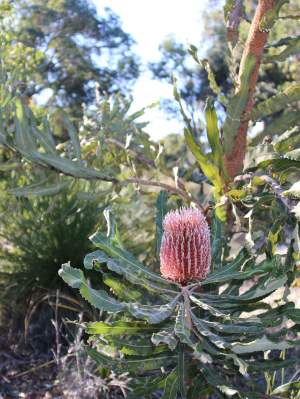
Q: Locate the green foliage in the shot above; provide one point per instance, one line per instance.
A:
(277, 102)
(189, 328)
(292, 48)
(208, 168)
(69, 50)
(216, 74)
(213, 134)
(278, 126)
(114, 154)
(39, 233)
(161, 204)
(211, 164)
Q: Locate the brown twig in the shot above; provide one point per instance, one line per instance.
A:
(296, 16)
(254, 47)
(138, 156)
(33, 369)
(171, 189)
(180, 190)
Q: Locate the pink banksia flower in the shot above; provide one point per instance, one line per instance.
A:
(185, 252)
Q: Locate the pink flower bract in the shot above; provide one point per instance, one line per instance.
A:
(185, 252)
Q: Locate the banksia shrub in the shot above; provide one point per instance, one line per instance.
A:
(185, 250)
(191, 339)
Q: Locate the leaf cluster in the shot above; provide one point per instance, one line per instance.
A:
(168, 336)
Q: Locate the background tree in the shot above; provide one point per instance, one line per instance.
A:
(277, 72)
(78, 50)
(63, 46)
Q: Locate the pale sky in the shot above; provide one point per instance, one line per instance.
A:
(149, 23)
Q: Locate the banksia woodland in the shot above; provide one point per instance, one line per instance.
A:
(185, 252)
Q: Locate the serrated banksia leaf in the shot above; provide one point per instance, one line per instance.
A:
(185, 252)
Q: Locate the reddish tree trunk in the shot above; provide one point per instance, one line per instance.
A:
(255, 43)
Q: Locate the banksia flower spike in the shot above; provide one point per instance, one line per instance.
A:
(185, 252)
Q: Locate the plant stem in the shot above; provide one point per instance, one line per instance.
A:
(171, 189)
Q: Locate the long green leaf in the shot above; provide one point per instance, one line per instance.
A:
(121, 288)
(286, 120)
(182, 329)
(43, 135)
(68, 166)
(276, 103)
(182, 371)
(260, 156)
(40, 190)
(287, 388)
(171, 386)
(73, 134)
(229, 270)
(143, 386)
(210, 75)
(127, 264)
(136, 364)
(154, 314)
(137, 346)
(216, 242)
(131, 272)
(261, 345)
(246, 327)
(213, 133)
(23, 135)
(117, 328)
(161, 210)
(263, 268)
(48, 135)
(288, 139)
(293, 155)
(210, 170)
(98, 298)
(214, 338)
(259, 290)
(275, 316)
(292, 48)
(213, 310)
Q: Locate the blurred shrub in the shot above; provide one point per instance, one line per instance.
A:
(37, 235)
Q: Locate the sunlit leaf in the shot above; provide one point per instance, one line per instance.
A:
(117, 328)
(171, 386)
(286, 389)
(213, 133)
